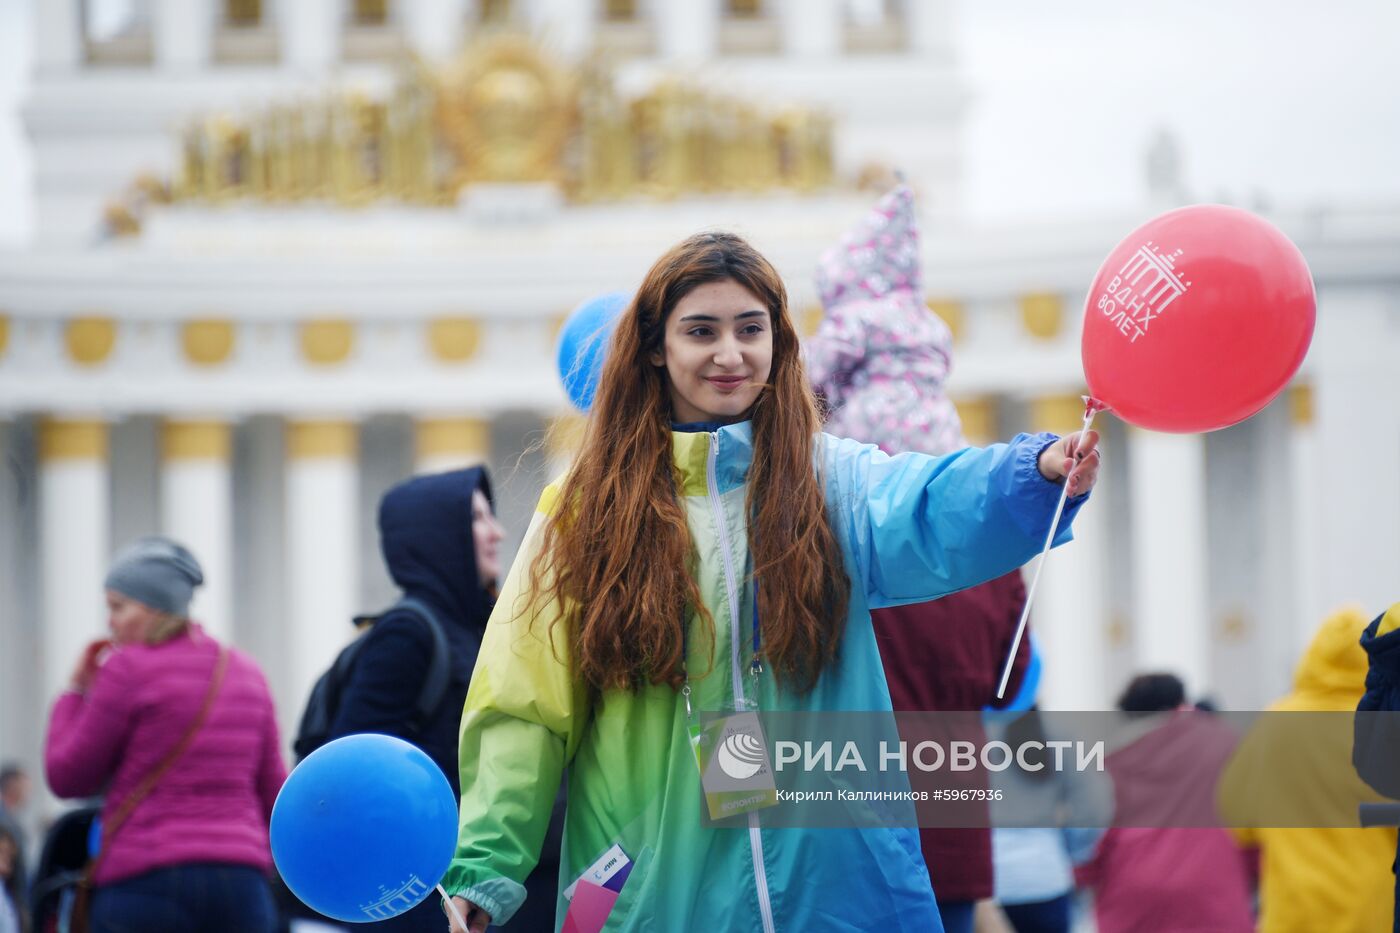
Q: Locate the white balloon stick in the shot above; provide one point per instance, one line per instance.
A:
(452, 908)
(1090, 408)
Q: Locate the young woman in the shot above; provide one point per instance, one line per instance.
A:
(711, 550)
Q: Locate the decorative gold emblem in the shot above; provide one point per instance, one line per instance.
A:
(505, 112)
(327, 341)
(1042, 314)
(61, 439)
(90, 339)
(978, 414)
(207, 342)
(1300, 403)
(951, 311)
(454, 339)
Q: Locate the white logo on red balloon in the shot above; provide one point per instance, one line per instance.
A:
(740, 755)
(1142, 290)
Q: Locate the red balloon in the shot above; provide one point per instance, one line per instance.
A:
(1197, 320)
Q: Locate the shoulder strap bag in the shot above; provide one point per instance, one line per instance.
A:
(82, 901)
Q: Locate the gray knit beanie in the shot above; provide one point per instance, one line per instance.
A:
(158, 572)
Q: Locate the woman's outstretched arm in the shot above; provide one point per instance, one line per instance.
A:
(920, 527)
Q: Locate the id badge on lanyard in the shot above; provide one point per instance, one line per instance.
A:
(731, 751)
(735, 771)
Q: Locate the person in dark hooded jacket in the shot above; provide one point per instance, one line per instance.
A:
(440, 542)
(441, 545)
(1376, 739)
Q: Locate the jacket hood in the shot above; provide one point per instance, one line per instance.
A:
(881, 357)
(877, 257)
(425, 533)
(1335, 662)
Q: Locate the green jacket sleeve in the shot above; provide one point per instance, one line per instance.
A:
(524, 715)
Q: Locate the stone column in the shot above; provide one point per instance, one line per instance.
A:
(23, 697)
(1171, 611)
(74, 542)
(1309, 550)
(442, 444)
(322, 561)
(196, 509)
(1357, 459)
(16, 702)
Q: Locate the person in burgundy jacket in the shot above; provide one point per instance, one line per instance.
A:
(880, 359)
(193, 854)
(1167, 863)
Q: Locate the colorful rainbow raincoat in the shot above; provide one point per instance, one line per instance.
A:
(912, 528)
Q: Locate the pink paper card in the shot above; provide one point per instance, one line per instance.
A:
(589, 909)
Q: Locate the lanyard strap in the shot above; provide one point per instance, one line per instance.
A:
(755, 663)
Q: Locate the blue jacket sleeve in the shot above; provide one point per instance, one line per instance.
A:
(920, 527)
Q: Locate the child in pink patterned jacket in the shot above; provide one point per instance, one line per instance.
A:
(880, 357)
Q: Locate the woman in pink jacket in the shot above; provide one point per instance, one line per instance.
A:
(181, 732)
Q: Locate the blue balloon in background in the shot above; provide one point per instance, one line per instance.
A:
(583, 344)
(364, 828)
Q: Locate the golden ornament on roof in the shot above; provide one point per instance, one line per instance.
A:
(505, 112)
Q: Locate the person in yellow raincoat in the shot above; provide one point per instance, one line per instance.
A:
(1321, 878)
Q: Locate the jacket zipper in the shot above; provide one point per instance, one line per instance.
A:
(760, 874)
(731, 585)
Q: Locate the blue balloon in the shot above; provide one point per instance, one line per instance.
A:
(583, 345)
(364, 828)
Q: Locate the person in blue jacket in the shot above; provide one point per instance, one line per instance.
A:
(710, 551)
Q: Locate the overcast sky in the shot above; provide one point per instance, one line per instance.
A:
(1295, 101)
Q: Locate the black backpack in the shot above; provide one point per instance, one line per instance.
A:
(321, 708)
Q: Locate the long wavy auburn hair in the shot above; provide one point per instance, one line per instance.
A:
(617, 552)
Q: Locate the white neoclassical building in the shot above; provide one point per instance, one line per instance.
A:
(290, 251)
